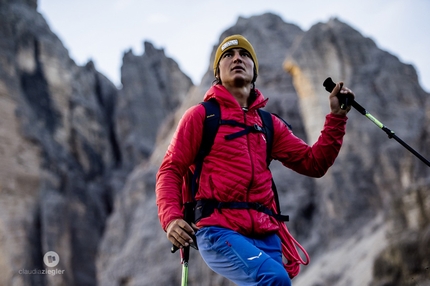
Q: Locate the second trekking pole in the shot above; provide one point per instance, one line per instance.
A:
(345, 101)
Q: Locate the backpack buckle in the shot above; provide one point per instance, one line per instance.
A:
(258, 128)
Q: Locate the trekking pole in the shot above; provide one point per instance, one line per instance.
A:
(349, 100)
(185, 255)
(185, 251)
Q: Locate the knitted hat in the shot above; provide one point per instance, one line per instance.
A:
(234, 42)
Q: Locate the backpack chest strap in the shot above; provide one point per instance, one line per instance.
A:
(246, 129)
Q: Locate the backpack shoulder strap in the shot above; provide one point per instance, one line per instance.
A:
(210, 129)
(285, 122)
(212, 121)
(266, 117)
(268, 128)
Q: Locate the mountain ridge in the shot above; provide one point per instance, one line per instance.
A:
(79, 156)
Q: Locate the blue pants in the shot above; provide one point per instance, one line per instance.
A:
(243, 260)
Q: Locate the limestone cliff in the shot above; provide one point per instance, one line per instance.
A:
(78, 157)
(66, 145)
(364, 193)
(152, 87)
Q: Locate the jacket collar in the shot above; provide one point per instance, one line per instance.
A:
(224, 98)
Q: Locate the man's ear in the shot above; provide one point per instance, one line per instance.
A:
(255, 75)
(217, 75)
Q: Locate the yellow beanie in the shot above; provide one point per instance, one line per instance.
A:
(234, 42)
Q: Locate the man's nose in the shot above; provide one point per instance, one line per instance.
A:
(237, 57)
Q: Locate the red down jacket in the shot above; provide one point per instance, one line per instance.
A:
(236, 170)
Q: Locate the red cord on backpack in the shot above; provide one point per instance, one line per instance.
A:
(290, 252)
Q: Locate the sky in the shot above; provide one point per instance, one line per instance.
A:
(187, 30)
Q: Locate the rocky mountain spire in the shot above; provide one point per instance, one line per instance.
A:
(78, 156)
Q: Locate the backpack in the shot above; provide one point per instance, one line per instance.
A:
(193, 209)
(211, 124)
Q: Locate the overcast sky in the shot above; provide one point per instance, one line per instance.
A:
(102, 30)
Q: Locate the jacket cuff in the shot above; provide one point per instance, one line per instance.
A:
(338, 116)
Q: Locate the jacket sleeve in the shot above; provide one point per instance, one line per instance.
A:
(313, 160)
(178, 158)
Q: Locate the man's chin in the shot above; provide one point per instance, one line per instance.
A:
(240, 80)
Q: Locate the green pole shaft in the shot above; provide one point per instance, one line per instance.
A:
(374, 120)
(184, 281)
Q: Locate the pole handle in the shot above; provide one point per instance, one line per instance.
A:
(189, 218)
(344, 100)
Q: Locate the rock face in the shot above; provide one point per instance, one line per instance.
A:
(153, 86)
(58, 147)
(66, 147)
(367, 180)
(78, 157)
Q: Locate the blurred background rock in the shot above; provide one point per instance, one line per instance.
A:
(78, 157)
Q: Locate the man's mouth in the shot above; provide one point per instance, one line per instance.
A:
(238, 68)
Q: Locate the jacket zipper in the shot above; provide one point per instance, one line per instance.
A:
(252, 173)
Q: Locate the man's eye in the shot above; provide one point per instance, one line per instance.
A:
(227, 55)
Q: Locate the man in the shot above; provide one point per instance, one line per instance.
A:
(244, 245)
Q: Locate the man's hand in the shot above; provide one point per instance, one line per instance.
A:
(180, 233)
(334, 101)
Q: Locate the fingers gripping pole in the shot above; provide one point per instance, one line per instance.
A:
(329, 86)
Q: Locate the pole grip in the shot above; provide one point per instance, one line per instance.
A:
(189, 218)
(344, 100)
